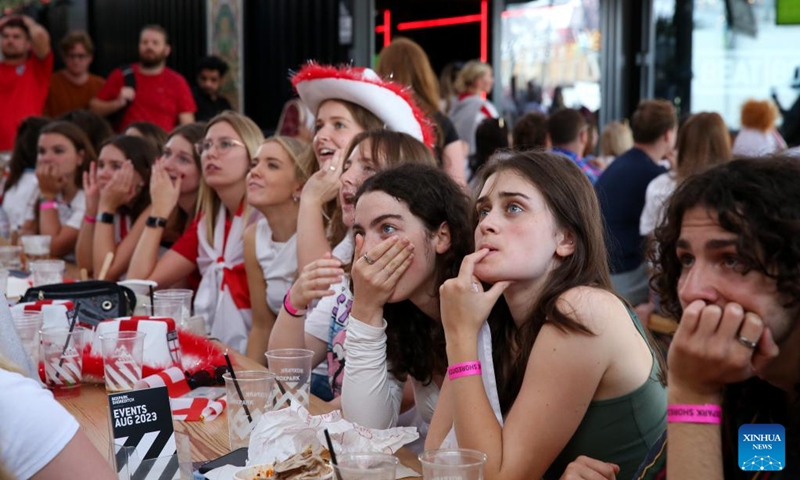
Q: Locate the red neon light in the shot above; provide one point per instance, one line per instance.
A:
(379, 29)
(439, 22)
(387, 27)
(484, 30)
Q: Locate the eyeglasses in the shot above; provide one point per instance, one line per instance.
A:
(223, 146)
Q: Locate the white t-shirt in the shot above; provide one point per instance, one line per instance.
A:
(278, 263)
(35, 427)
(71, 213)
(658, 192)
(20, 201)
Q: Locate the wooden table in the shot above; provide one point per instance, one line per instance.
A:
(209, 440)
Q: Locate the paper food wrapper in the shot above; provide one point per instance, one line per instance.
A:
(281, 434)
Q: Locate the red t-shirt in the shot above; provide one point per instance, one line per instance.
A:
(23, 91)
(159, 98)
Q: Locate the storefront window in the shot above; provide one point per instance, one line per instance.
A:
(547, 44)
(739, 50)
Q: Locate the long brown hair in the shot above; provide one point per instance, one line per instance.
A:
(405, 62)
(572, 201)
(25, 147)
(389, 149)
(142, 153)
(703, 142)
(79, 140)
(415, 343)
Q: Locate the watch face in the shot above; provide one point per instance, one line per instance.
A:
(106, 217)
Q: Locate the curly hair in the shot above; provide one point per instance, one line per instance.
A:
(755, 198)
(758, 200)
(415, 343)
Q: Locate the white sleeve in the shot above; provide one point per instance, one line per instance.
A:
(371, 396)
(35, 426)
(78, 209)
(652, 209)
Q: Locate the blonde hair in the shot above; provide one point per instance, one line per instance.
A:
(616, 139)
(304, 165)
(251, 136)
(759, 114)
(472, 71)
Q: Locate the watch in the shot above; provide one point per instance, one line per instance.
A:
(106, 217)
(156, 222)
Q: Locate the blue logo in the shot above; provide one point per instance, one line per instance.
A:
(762, 447)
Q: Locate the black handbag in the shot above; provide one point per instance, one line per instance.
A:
(99, 299)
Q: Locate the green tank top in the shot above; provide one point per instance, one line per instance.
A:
(619, 430)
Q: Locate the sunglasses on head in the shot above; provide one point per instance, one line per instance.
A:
(207, 378)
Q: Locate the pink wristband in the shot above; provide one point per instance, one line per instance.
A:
(287, 305)
(463, 369)
(48, 205)
(708, 413)
(88, 219)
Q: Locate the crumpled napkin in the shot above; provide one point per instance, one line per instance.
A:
(282, 433)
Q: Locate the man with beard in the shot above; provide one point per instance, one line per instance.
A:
(24, 78)
(72, 87)
(161, 95)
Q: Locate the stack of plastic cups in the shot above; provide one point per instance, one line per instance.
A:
(28, 325)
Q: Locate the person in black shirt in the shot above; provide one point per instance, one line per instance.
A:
(210, 72)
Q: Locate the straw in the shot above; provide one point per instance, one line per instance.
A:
(153, 304)
(333, 454)
(71, 329)
(106, 265)
(236, 384)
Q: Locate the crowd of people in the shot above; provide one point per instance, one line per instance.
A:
(490, 284)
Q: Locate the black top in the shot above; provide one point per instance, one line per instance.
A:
(446, 130)
(206, 107)
(621, 191)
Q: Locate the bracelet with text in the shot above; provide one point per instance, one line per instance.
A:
(463, 369)
(48, 205)
(287, 305)
(708, 413)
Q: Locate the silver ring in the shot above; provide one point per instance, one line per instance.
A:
(367, 259)
(748, 343)
(332, 168)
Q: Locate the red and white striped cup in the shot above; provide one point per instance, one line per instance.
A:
(123, 352)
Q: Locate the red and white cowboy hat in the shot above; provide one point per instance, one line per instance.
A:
(391, 102)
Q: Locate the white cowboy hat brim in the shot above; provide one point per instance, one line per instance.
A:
(388, 101)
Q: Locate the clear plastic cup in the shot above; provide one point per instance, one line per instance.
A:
(165, 307)
(61, 351)
(11, 257)
(182, 294)
(454, 464)
(365, 466)
(47, 272)
(36, 247)
(292, 369)
(248, 398)
(141, 288)
(122, 359)
(28, 324)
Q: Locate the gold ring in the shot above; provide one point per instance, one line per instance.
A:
(367, 259)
